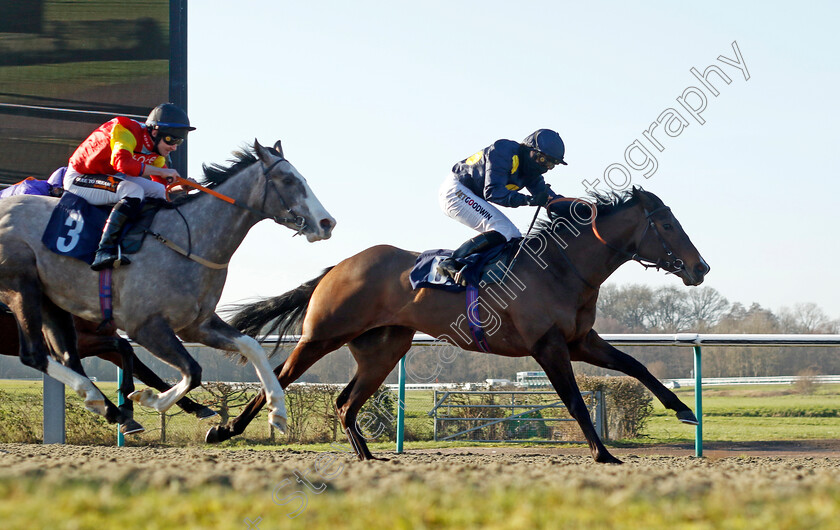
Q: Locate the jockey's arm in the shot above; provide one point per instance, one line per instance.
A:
(166, 173)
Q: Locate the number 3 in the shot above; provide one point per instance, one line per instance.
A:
(76, 223)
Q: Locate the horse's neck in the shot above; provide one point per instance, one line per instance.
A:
(217, 228)
(596, 261)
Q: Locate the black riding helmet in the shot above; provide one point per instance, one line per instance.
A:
(169, 118)
(547, 142)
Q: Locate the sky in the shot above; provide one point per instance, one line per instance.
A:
(375, 101)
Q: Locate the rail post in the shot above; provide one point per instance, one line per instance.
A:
(120, 403)
(54, 432)
(401, 408)
(698, 402)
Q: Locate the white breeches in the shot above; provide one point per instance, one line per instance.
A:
(461, 204)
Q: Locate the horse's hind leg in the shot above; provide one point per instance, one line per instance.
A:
(60, 333)
(156, 336)
(23, 296)
(305, 354)
(552, 353)
(377, 353)
(217, 333)
(106, 344)
(595, 350)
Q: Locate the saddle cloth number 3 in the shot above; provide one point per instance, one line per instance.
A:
(76, 223)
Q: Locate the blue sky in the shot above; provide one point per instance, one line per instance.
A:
(375, 101)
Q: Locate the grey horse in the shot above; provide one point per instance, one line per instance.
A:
(162, 295)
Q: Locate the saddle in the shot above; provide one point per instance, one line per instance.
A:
(485, 268)
(75, 227)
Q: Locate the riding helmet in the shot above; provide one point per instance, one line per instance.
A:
(547, 142)
(170, 119)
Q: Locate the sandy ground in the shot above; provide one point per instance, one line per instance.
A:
(668, 470)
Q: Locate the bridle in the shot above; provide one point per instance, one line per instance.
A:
(298, 221)
(672, 264)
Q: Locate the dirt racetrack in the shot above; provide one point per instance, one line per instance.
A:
(795, 463)
(666, 480)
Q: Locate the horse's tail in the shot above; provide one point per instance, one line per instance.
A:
(282, 314)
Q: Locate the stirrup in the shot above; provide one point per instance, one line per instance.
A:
(450, 268)
(109, 260)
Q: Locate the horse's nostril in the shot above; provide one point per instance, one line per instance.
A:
(702, 268)
(326, 224)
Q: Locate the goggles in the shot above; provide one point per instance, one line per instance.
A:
(544, 160)
(172, 140)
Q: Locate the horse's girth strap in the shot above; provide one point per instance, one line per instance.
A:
(181, 251)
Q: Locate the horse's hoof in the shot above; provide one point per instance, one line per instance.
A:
(212, 436)
(205, 413)
(608, 459)
(686, 416)
(97, 406)
(131, 427)
(144, 397)
(277, 421)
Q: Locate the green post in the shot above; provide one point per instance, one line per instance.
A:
(698, 403)
(401, 408)
(120, 403)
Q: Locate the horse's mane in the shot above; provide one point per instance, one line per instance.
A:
(216, 174)
(605, 203)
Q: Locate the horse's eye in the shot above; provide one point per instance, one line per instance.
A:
(667, 226)
(288, 181)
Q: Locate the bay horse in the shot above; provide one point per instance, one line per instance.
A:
(545, 307)
(105, 343)
(163, 293)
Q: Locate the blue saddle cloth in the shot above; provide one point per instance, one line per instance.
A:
(425, 273)
(75, 228)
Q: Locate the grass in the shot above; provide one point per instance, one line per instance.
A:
(730, 414)
(27, 503)
(752, 413)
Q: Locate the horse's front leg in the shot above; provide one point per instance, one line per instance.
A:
(595, 350)
(157, 336)
(552, 353)
(216, 333)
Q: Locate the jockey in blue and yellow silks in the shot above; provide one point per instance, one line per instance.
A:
(495, 175)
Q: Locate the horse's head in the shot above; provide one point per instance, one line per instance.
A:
(665, 243)
(287, 191)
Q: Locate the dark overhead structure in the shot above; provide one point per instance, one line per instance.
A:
(68, 66)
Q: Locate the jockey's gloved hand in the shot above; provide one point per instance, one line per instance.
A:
(517, 200)
(540, 199)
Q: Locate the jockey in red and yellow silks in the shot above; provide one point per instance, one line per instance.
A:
(123, 162)
(121, 145)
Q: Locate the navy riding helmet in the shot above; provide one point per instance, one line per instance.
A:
(547, 142)
(169, 118)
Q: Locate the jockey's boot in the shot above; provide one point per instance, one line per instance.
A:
(452, 268)
(108, 252)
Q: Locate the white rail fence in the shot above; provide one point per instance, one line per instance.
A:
(54, 391)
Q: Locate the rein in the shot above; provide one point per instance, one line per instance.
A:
(298, 221)
(647, 263)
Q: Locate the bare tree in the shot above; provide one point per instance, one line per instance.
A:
(806, 318)
(706, 306)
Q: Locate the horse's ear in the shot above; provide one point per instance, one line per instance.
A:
(279, 148)
(264, 154)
